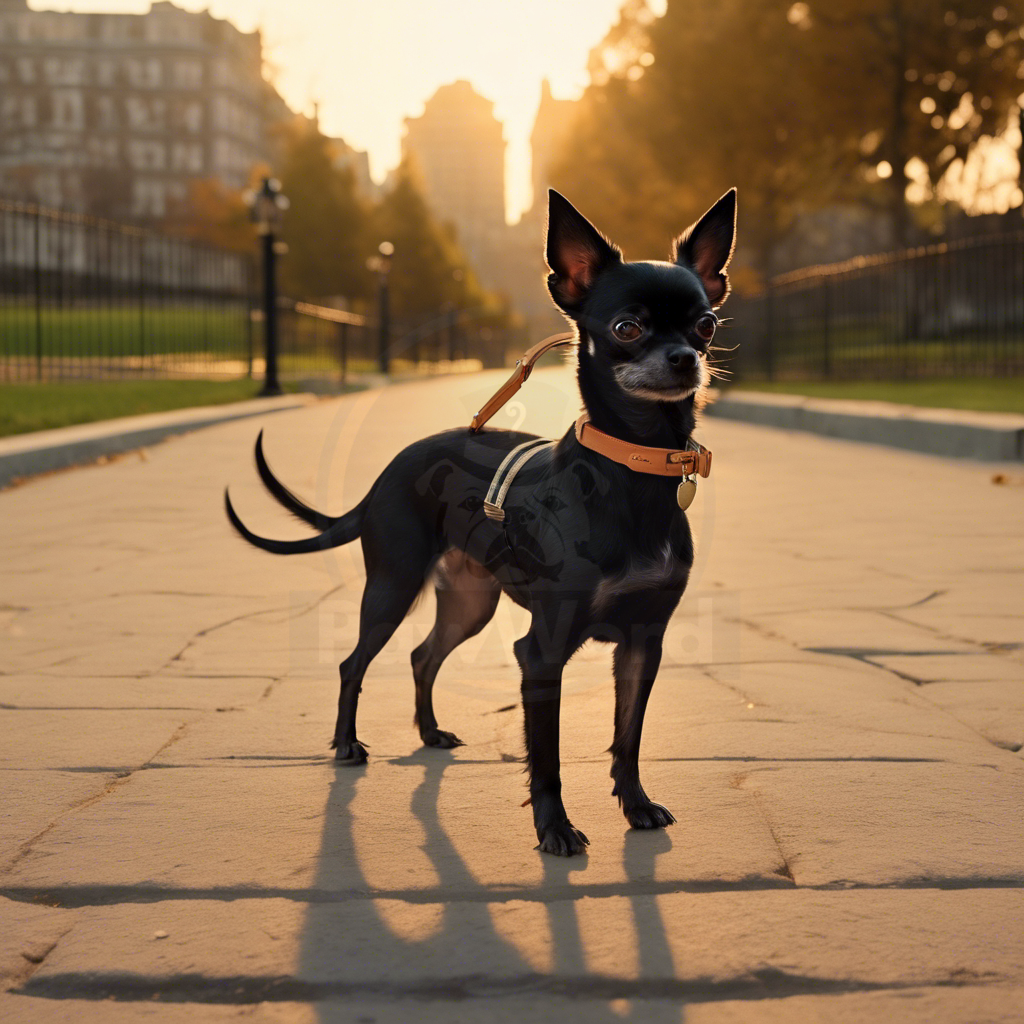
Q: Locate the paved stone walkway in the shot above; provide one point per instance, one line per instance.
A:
(837, 726)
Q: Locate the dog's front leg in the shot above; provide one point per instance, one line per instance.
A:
(635, 668)
(542, 665)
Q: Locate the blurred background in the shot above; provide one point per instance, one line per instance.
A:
(391, 166)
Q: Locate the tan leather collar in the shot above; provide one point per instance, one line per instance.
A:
(640, 458)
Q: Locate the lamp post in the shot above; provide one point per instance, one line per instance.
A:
(381, 264)
(266, 207)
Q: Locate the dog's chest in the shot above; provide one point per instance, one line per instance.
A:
(665, 571)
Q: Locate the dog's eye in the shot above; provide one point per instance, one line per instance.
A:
(627, 330)
(705, 327)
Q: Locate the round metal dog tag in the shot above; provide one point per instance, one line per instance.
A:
(686, 492)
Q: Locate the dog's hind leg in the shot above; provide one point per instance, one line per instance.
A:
(635, 669)
(386, 600)
(467, 595)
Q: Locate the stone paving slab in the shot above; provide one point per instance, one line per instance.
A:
(831, 727)
(891, 938)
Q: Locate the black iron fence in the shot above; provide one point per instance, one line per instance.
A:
(321, 343)
(83, 297)
(944, 310)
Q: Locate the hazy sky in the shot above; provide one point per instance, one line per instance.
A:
(371, 63)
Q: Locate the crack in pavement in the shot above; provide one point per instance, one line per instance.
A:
(54, 707)
(785, 869)
(763, 983)
(122, 778)
(213, 629)
(34, 957)
(73, 897)
(149, 674)
(866, 656)
(248, 615)
(988, 646)
(268, 761)
(924, 600)
(861, 655)
(709, 673)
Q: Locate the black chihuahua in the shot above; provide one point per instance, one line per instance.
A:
(591, 548)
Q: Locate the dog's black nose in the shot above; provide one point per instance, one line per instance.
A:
(682, 357)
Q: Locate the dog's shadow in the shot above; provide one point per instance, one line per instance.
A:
(464, 956)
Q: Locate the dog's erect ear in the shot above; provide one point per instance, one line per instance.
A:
(577, 252)
(706, 247)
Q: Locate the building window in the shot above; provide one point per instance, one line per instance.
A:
(10, 111)
(63, 71)
(188, 74)
(68, 111)
(146, 74)
(149, 198)
(192, 117)
(103, 151)
(187, 157)
(106, 113)
(145, 114)
(147, 155)
(106, 73)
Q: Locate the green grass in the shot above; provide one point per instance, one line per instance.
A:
(85, 332)
(984, 394)
(27, 407)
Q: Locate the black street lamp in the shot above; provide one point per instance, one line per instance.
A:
(266, 207)
(381, 264)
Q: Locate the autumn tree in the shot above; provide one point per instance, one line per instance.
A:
(327, 224)
(915, 79)
(800, 104)
(670, 123)
(429, 271)
(213, 214)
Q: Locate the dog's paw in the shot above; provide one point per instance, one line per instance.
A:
(353, 753)
(648, 815)
(562, 840)
(442, 739)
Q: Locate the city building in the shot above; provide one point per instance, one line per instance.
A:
(116, 114)
(458, 147)
(550, 132)
(526, 269)
(345, 157)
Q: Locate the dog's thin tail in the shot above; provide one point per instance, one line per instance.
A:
(294, 504)
(342, 530)
(335, 530)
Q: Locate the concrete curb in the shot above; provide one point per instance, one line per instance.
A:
(991, 437)
(26, 455)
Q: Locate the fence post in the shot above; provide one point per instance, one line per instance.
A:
(826, 341)
(38, 277)
(249, 308)
(142, 301)
(769, 332)
(343, 344)
(270, 382)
